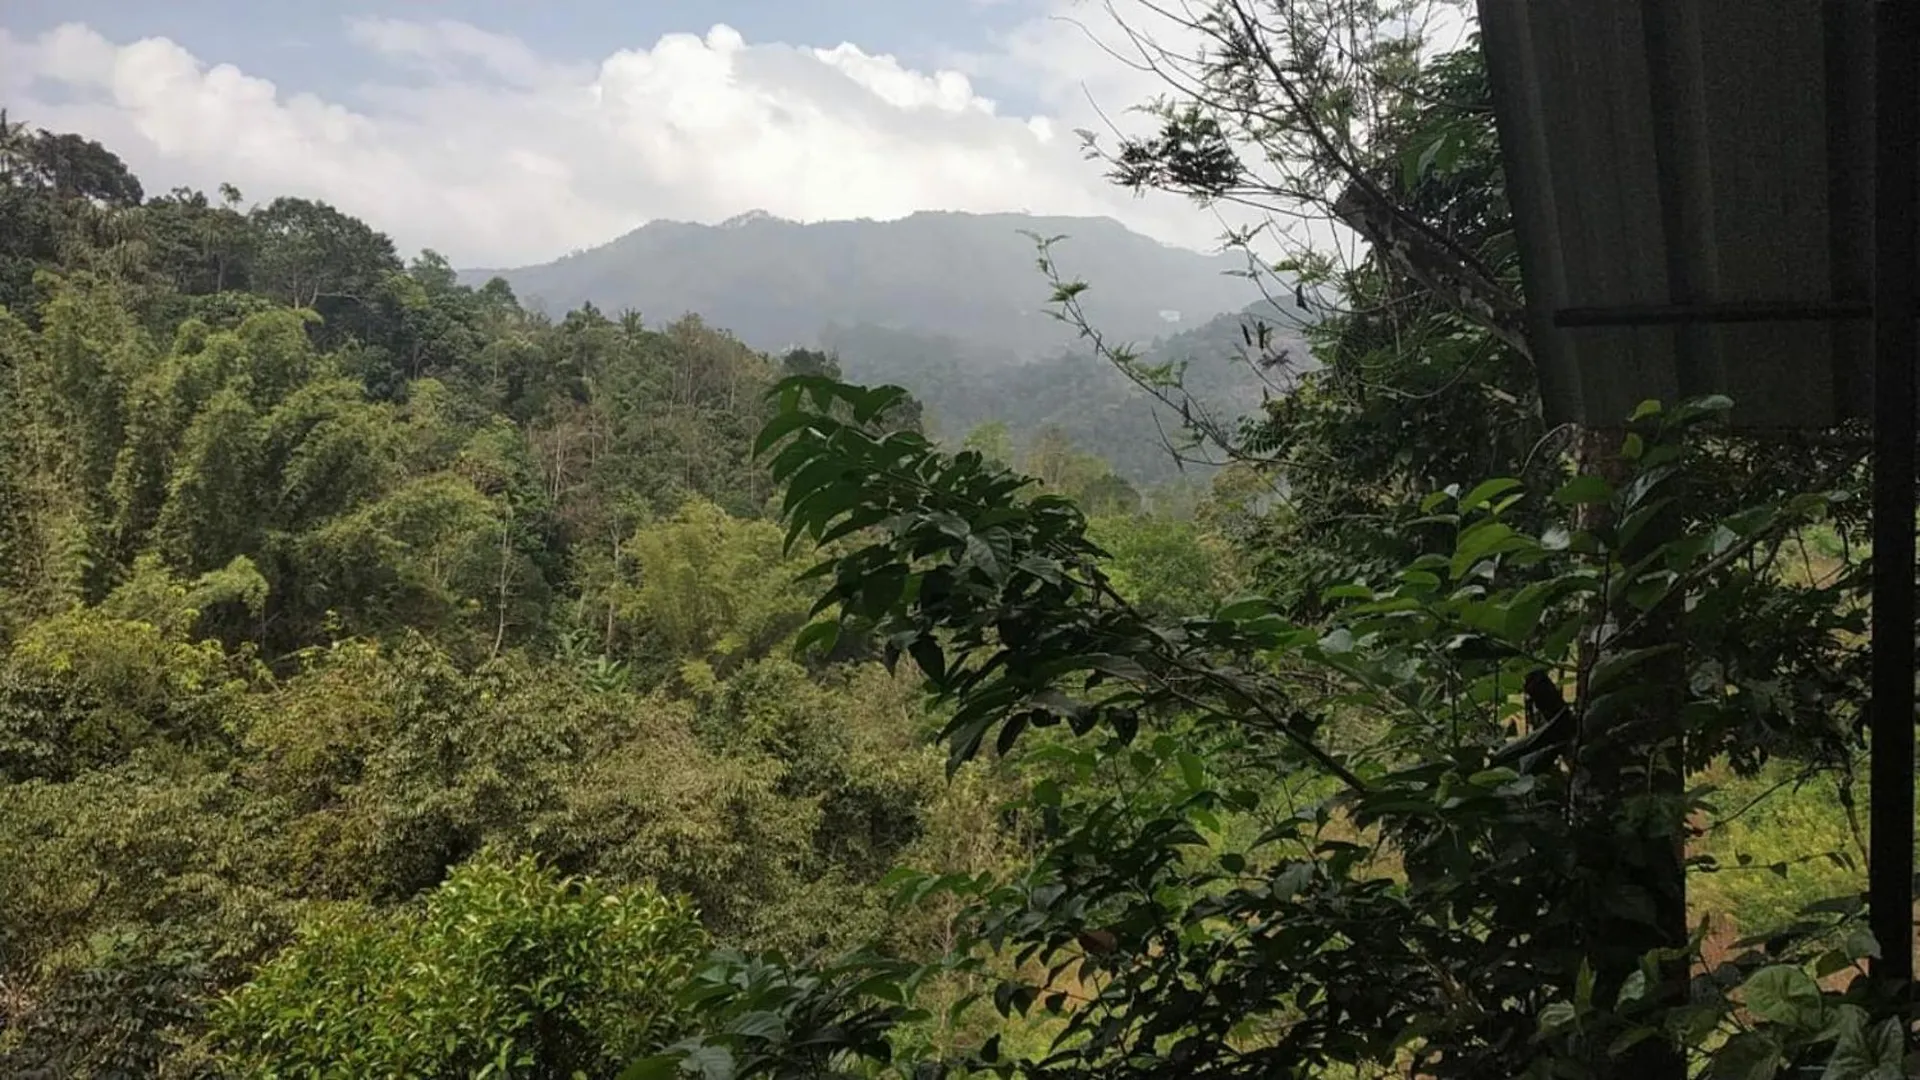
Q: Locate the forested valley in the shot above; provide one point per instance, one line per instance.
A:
(398, 681)
(342, 603)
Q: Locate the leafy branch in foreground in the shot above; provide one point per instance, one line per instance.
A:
(1464, 889)
(997, 597)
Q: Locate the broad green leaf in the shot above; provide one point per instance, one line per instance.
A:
(1192, 771)
(1557, 1017)
(782, 425)
(822, 634)
(658, 1067)
(1784, 994)
(875, 401)
(1244, 609)
(927, 654)
(1485, 492)
(1633, 988)
(1630, 1038)
(1288, 883)
(710, 1063)
(1750, 1055)
(987, 556)
(1584, 489)
(1866, 1053)
(757, 1024)
(1480, 541)
(1339, 641)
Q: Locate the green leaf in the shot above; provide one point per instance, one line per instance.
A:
(1633, 988)
(1784, 994)
(951, 525)
(1556, 1018)
(1862, 1053)
(1288, 883)
(1419, 579)
(823, 634)
(981, 554)
(758, 1024)
(1241, 610)
(1192, 771)
(1629, 1039)
(1861, 943)
(658, 1067)
(812, 478)
(1410, 166)
(1486, 492)
(710, 1063)
(782, 425)
(1483, 540)
(1750, 1055)
(1584, 489)
(926, 653)
(1339, 641)
(1523, 613)
(876, 401)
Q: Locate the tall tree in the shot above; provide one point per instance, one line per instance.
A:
(313, 256)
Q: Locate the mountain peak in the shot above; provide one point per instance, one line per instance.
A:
(968, 276)
(751, 217)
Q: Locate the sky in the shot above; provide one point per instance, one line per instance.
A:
(507, 132)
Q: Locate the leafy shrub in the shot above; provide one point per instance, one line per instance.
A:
(506, 970)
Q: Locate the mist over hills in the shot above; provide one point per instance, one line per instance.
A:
(1079, 393)
(777, 283)
(951, 305)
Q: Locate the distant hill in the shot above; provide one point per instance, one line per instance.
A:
(964, 386)
(970, 277)
(953, 307)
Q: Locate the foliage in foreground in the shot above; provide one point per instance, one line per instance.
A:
(1459, 884)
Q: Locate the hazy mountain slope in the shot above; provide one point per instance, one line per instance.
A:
(973, 277)
(964, 386)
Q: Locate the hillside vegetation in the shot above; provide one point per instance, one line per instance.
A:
(951, 306)
(323, 576)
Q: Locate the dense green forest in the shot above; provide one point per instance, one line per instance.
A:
(322, 576)
(945, 304)
(395, 681)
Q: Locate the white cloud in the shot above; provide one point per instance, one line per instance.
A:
(1090, 64)
(483, 149)
(436, 46)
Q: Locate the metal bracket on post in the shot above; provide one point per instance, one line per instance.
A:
(1896, 348)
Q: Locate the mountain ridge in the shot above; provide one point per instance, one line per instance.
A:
(776, 283)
